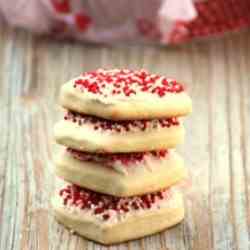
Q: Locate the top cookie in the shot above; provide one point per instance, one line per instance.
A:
(125, 95)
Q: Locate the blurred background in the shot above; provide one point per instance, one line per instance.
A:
(204, 44)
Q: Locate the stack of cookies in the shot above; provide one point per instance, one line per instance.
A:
(119, 132)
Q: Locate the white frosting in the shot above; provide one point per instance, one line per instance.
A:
(94, 124)
(149, 161)
(88, 213)
(106, 97)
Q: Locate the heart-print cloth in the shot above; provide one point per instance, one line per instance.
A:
(107, 21)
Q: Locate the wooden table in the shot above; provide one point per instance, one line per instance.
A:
(217, 148)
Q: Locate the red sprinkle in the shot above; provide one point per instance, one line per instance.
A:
(61, 6)
(126, 83)
(82, 21)
(127, 159)
(104, 204)
(120, 126)
(106, 216)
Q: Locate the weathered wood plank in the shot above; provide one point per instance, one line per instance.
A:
(216, 148)
(223, 230)
(238, 197)
(198, 203)
(245, 120)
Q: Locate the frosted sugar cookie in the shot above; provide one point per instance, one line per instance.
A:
(108, 219)
(121, 174)
(125, 95)
(92, 134)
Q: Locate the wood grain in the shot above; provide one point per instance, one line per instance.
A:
(216, 150)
